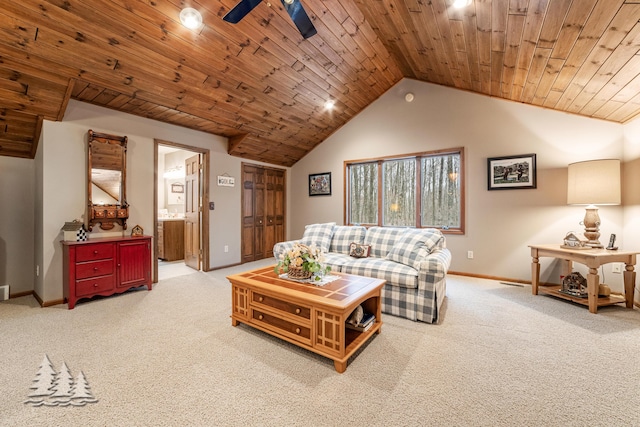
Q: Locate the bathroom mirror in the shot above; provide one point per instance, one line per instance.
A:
(107, 172)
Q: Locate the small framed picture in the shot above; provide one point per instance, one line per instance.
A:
(177, 188)
(511, 172)
(320, 184)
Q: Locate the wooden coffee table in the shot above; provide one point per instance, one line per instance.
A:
(309, 316)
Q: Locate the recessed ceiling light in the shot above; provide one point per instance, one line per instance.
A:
(409, 97)
(190, 18)
(459, 4)
(329, 104)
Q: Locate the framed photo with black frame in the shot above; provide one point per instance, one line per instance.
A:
(511, 172)
(320, 184)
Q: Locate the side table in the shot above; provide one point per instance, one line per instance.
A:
(592, 258)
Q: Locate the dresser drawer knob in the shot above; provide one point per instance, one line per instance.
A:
(298, 311)
(95, 252)
(95, 285)
(260, 299)
(260, 317)
(298, 331)
(95, 268)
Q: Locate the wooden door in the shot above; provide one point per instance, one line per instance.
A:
(274, 201)
(262, 211)
(192, 212)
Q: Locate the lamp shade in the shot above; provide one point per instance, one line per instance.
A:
(594, 182)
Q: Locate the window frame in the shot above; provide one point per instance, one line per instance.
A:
(418, 195)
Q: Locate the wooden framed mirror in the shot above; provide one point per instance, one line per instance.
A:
(106, 181)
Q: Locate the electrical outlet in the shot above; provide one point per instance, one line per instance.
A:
(226, 248)
(37, 270)
(616, 267)
(470, 254)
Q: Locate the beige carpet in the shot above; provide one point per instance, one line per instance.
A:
(170, 357)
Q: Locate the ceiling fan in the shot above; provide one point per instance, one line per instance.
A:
(293, 7)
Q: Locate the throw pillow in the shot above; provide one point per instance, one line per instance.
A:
(319, 235)
(412, 247)
(358, 250)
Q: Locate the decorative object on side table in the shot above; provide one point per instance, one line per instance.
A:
(591, 183)
(303, 262)
(512, 172)
(74, 231)
(137, 231)
(575, 240)
(575, 285)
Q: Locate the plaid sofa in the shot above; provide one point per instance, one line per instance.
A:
(414, 262)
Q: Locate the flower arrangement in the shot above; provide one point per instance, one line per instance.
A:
(303, 262)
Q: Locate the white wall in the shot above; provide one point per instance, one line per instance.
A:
(630, 188)
(17, 237)
(64, 193)
(499, 224)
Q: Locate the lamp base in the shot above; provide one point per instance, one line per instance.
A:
(591, 224)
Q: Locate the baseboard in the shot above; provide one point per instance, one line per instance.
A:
(498, 278)
(224, 266)
(37, 297)
(21, 294)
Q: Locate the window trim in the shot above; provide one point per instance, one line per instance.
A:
(417, 157)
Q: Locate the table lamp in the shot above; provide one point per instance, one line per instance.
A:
(594, 182)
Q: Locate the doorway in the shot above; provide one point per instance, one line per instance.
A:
(181, 224)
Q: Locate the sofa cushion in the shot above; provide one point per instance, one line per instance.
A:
(414, 245)
(394, 273)
(358, 250)
(382, 240)
(344, 235)
(336, 260)
(319, 235)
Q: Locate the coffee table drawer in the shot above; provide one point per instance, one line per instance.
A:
(283, 306)
(292, 330)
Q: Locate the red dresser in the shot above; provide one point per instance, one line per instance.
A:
(105, 266)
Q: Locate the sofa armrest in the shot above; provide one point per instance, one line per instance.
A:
(434, 267)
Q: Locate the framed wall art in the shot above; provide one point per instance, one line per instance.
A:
(177, 188)
(320, 184)
(511, 172)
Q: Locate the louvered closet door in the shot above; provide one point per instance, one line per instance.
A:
(262, 211)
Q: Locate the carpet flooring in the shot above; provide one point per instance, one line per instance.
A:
(170, 357)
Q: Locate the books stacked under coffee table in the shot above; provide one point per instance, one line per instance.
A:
(361, 324)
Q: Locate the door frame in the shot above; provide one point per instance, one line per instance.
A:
(204, 219)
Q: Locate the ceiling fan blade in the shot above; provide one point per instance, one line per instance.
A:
(240, 10)
(300, 18)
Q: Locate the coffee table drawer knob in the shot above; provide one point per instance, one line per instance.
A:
(298, 311)
(298, 331)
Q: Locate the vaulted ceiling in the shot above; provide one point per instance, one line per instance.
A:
(263, 86)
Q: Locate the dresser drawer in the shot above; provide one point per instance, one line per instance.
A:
(95, 252)
(283, 306)
(283, 327)
(94, 268)
(96, 285)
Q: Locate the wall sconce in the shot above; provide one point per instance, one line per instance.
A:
(595, 182)
(190, 18)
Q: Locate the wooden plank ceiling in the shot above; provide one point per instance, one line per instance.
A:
(263, 86)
